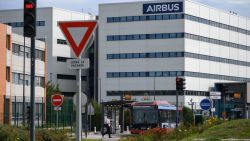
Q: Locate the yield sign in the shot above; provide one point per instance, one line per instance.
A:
(78, 34)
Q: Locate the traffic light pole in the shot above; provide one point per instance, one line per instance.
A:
(177, 109)
(32, 91)
(79, 109)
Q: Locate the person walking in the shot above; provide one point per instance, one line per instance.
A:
(107, 125)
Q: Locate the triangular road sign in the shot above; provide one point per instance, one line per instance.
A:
(78, 34)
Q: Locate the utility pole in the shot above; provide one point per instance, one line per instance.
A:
(29, 30)
(180, 87)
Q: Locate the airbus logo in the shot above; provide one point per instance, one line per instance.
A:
(170, 7)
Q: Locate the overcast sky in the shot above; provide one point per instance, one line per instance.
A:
(242, 7)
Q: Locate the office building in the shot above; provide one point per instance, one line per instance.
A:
(144, 46)
(57, 51)
(12, 50)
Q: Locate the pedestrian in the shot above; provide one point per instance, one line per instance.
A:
(107, 125)
(109, 129)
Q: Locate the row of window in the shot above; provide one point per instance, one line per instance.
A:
(144, 18)
(216, 41)
(174, 74)
(156, 92)
(20, 24)
(144, 36)
(69, 77)
(175, 35)
(17, 78)
(174, 17)
(145, 55)
(18, 50)
(176, 54)
(217, 24)
(61, 41)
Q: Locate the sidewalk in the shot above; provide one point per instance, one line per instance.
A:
(98, 136)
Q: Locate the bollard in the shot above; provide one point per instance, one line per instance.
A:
(127, 128)
(95, 130)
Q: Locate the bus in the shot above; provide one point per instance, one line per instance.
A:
(147, 115)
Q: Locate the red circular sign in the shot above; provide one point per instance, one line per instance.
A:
(57, 100)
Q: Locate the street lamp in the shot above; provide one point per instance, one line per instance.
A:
(154, 87)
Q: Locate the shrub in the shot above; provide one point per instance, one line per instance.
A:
(12, 134)
(51, 135)
(18, 134)
(188, 116)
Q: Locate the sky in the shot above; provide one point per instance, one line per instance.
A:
(242, 7)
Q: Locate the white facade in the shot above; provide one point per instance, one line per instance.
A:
(203, 44)
(57, 49)
(17, 69)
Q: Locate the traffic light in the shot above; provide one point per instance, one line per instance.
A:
(180, 84)
(183, 83)
(29, 18)
(28, 114)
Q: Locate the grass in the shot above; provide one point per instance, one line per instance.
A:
(237, 129)
(91, 140)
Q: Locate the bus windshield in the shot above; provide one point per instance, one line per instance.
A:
(145, 115)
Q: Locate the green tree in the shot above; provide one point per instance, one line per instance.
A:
(188, 116)
(96, 118)
(50, 90)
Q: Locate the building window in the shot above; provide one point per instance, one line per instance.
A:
(170, 17)
(8, 42)
(61, 41)
(40, 23)
(8, 74)
(20, 24)
(40, 55)
(66, 77)
(39, 81)
(62, 59)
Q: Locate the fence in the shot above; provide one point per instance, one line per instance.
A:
(13, 113)
(66, 116)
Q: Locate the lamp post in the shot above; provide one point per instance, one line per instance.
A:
(154, 87)
(192, 107)
(24, 60)
(100, 90)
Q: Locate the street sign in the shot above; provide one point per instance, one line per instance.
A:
(57, 108)
(78, 34)
(78, 63)
(215, 97)
(83, 99)
(57, 100)
(206, 104)
(91, 110)
(215, 93)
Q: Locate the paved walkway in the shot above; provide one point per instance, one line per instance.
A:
(115, 137)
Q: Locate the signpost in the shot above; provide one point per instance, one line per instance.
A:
(215, 95)
(206, 104)
(78, 34)
(75, 64)
(57, 101)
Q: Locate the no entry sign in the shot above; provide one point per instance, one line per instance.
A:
(57, 100)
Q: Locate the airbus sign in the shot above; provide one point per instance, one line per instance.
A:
(169, 7)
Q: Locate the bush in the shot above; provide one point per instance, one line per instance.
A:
(12, 134)
(155, 134)
(188, 116)
(19, 134)
(49, 135)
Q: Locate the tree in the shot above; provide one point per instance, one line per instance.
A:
(96, 118)
(188, 116)
(50, 90)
